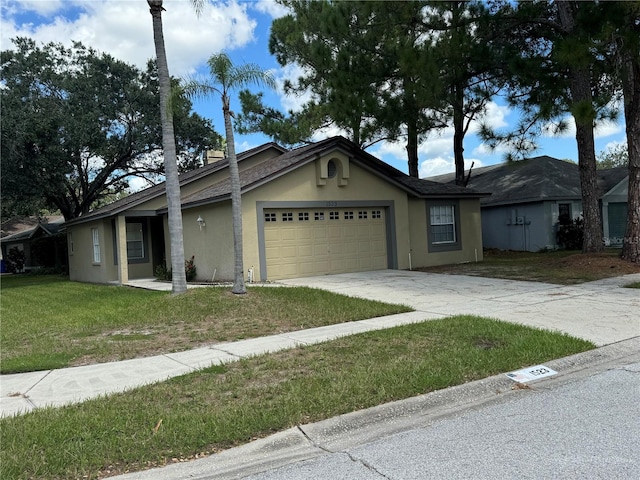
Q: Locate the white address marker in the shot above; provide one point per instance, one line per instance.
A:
(530, 373)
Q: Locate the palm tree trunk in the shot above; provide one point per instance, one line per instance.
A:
(178, 275)
(236, 205)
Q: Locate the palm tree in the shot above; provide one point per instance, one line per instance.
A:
(178, 278)
(225, 76)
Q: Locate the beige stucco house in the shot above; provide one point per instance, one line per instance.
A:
(328, 207)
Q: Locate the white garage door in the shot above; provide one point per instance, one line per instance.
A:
(306, 242)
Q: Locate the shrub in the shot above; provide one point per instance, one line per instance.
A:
(190, 269)
(570, 233)
(163, 273)
(15, 260)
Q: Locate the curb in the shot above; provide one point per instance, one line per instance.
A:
(346, 431)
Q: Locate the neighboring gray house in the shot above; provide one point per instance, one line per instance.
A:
(529, 196)
(39, 238)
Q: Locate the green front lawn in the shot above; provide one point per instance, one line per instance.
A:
(50, 322)
(224, 406)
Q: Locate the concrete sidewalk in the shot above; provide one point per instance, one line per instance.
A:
(601, 312)
(571, 425)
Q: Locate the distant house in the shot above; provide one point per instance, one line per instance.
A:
(38, 238)
(328, 207)
(528, 198)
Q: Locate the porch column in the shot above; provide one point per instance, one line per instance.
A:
(121, 243)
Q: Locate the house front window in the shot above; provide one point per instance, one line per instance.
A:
(96, 245)
(135, 241)
(443, 225)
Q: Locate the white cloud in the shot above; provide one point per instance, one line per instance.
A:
(136, 184)
(41, 7)
(606, 129)
(440, 165)
(124, 29)
(270, 7)
(328, 132)
(291, 72)
(495, 116)
(603, 129)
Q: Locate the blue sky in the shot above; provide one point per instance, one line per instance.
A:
(241, 29)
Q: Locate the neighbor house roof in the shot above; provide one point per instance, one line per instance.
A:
(25, 228)
(533, 180)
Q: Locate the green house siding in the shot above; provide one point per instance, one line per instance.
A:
(617, 222)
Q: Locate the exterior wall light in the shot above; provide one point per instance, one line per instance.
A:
(201, 222)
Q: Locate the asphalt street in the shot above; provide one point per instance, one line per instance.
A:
(585, 429)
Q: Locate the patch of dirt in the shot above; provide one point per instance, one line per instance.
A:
(595, 264)
(559, 267)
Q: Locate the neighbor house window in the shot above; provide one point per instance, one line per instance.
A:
(287, 217)
(375, 214)
(135, 243)
(96, 245)
(564, 213)
(443, 225)
(318, 216)
(269, 217)
(70, 237)
(303, 216)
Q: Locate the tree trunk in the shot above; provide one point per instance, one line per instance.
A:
(236, 205)
(582, 101)
(412, 149)
(631, 92)
(178, 275)
(593, 240)
(458, 132)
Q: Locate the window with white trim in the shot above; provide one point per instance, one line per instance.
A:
(95, 236)
(287, 216)
(443, 224)
(135, 241)
(303, 216)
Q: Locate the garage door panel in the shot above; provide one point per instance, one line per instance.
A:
(305, 251)
(337, 241)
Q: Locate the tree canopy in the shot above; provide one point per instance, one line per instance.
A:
(381, 71)
(78, 125)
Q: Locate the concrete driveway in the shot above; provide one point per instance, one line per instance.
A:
(603, 311)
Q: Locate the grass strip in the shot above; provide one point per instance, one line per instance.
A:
(227, 405)
(49, 322)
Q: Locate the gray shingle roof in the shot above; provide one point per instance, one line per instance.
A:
(24, 228)
(533, 179)
(157, 190)
(275, 167)
(272, 168)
